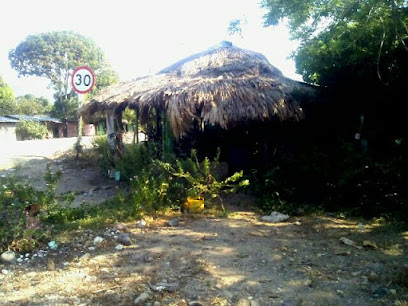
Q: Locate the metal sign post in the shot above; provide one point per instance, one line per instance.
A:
(83, 80)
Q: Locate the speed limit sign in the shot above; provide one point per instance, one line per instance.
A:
(83, 79)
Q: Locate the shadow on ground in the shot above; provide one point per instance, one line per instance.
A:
(221, 262)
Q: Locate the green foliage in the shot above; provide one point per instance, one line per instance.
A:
(201, 179)
(55, 55)
(336, 179)
(31, 105)
(104, 153)
(105, 77)
(65, 107)
(23, 211)
(149, 191)
(7, 104)
(347, 38)
(135, 158)
(26, 130)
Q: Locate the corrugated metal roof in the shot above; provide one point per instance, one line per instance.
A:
(35, 118)
(8, 120)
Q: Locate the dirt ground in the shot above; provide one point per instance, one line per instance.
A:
(238, 260)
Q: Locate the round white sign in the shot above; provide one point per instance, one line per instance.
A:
(83, 79)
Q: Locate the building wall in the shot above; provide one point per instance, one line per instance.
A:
(72, 129)
(7, 132)
(89, 130)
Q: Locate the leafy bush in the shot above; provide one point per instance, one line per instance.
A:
(135, 158)
(201, 179)
(105, 153)
(26, 130)
(22, 210)
(336, 178)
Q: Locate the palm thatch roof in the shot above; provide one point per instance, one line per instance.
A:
(224, 85)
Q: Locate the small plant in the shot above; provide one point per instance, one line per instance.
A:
(104, 153)
(24, 210)
(201, 179)
(149, 191)
(26, 130)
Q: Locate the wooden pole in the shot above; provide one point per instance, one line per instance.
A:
(137, 124)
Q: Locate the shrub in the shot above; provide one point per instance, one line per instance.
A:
(105, 153)
(336, 178)
(135, 158)
(22, 210)
(26, 130)
(201, 179)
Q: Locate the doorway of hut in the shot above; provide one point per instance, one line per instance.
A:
(246, 146)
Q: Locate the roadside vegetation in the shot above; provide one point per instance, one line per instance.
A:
(32, 217)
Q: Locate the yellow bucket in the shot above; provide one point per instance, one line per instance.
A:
(194, 204)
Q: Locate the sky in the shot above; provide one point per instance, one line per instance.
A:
(140, 37)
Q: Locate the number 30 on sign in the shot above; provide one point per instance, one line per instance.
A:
(83, 79)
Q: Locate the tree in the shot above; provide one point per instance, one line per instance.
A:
(55, 55)
(357, 51)
(26, 130)
(31, 105)
(356, 39)
(7, 104)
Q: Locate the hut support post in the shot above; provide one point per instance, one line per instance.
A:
(110, 127)
(136, 134)
(167, 136)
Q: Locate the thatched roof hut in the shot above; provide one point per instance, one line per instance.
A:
(223, 86)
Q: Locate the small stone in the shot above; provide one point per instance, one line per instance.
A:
(298, 223)
(174, 222)
(340, 292)
(244, 302)
(141, 299)
(5, 271)
(380, 292)
(87, 244)
(228, 294)
(27, 255)
(156, 303)
(125, 239)
(357, 273)
(254, 303)
(121, 227)
(141, 223)
(19, 260)
(370, 244)
(91, 248)
(119, 247)
(392, 291)
(66, 263)
(195, 303)
(50, 265)
(86, 256)
(97, 240)
(373, 277)
(8, 256)
(148, 259)
(275, 217)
